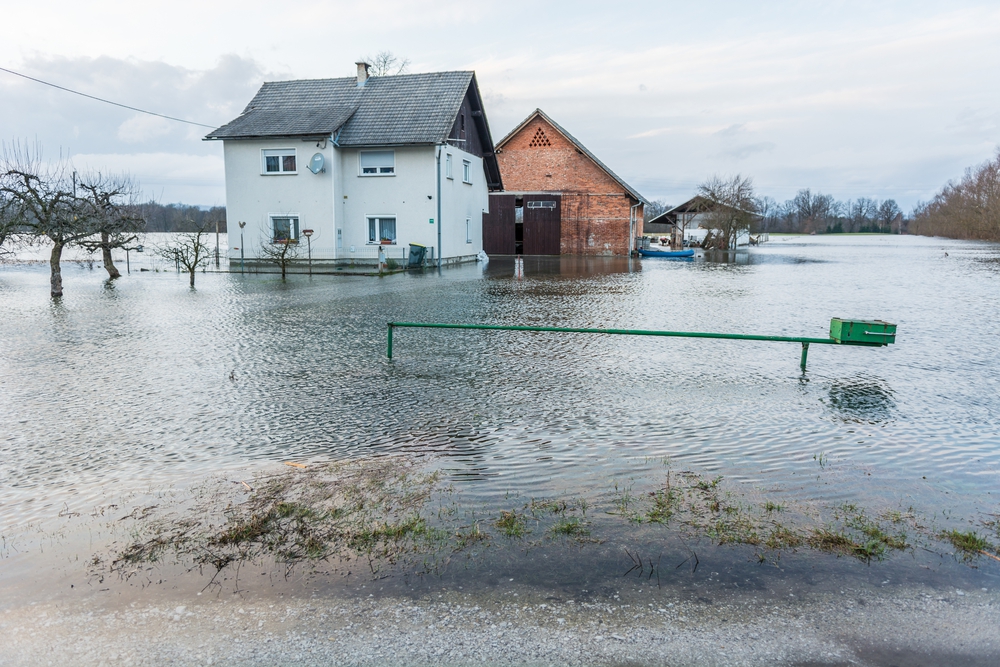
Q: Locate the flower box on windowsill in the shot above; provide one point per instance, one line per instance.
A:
(387, 242)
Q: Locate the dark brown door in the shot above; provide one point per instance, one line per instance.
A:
(541, 224)
(498, 226)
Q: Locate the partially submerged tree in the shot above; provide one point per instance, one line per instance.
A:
(281, 251)
(40, 201)
(8, 226)
(190, 251)
(730, 207)
(111, 206)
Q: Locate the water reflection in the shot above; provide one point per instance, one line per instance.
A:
(566, 266)
(157, 384)
(863, 398)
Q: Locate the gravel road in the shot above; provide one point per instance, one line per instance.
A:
(914, 627)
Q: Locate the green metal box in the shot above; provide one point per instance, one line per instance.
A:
(862, 332)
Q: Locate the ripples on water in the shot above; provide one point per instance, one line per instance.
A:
(147, 383)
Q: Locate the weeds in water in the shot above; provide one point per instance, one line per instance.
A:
(512, 524)
(772, 507)
(968, 544)
(471, 535)
(369, 508)
(571, 528)
(822, 459)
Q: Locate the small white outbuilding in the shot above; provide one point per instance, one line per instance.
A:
(368, 164)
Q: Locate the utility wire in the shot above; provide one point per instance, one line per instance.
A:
(99, 99)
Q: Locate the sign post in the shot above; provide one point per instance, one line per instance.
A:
(308, 234)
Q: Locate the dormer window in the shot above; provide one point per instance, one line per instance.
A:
(378, 163)
(278, 161)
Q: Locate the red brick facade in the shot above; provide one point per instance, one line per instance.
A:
(596, 208)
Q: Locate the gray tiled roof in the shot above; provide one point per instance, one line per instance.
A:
(389, 110)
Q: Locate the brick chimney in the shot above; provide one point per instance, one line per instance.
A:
(362, 73)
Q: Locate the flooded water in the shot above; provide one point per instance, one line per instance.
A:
(146, 383)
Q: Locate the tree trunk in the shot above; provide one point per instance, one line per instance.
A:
(108, 264)
(56, 279)
(192, 275)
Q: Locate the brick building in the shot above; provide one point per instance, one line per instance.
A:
(559, 198)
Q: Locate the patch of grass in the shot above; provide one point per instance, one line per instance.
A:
(572, 527)
(665, 503)
(968, 544)
(511, 524)
(537, 507)
(772, 507)
(706, 485)
(369, 507)
(781, 537)
(465, 537)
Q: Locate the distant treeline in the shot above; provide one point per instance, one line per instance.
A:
(968, 209)
(182, 218)
(808, 212)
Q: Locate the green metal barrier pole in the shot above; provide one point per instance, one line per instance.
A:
(805, 353)
(388, 350)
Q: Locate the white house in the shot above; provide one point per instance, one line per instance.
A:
(366, 163)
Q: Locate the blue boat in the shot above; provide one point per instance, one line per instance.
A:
(666, 253)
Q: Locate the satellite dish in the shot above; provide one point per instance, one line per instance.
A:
(317, 163)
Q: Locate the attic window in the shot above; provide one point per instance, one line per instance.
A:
(542, 204)
(378, 163)
(539, 139)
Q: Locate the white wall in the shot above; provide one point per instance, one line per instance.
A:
(252, 197)
(410, 195)
(461, 200)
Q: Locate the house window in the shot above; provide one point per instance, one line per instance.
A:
(378, 163)
(285, 229)
(466, 171)
(447, 166)
(381, 229)
(279, 161)
(468, 230)
(541, 204)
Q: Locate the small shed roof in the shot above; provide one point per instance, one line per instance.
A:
(697, 204)
(573, 140)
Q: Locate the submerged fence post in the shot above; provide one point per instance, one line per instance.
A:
(805, 353)
(388, 350)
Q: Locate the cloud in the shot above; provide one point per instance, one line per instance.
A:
(141, 128)
(746, 150)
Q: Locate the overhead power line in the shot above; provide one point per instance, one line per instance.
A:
(100, 99)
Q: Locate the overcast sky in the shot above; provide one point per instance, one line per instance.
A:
(875, 99)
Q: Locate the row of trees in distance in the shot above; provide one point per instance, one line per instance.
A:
(968, 208)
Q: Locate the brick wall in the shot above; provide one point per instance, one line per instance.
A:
(595, 208)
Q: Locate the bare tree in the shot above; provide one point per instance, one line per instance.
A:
(730, 206)
(654, 208)
(40, 200)
(8, 224)
(280, 251)
(190, 251)
(111, 204)
(386, 63)
(889, 214)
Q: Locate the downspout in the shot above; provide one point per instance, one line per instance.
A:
(438, 172)
(333, 179)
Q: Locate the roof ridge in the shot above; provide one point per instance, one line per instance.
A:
(373, 77)
(576, 142)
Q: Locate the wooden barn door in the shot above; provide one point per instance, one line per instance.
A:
(498, 226)
(541, 224)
